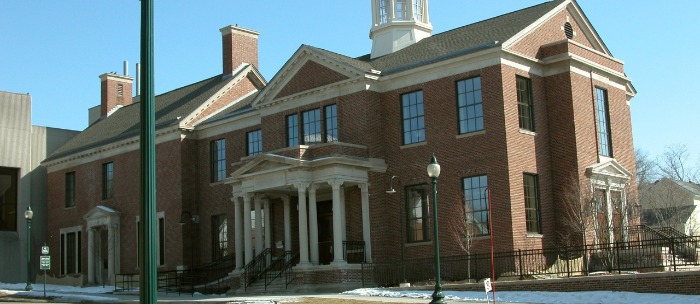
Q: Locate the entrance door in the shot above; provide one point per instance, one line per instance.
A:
(325, 232)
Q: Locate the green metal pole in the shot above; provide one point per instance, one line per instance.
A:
(147, 246)
(29, 287)
(438, 296)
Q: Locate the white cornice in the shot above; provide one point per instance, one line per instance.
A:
(108, 150)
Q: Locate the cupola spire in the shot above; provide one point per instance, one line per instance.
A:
(397, 24)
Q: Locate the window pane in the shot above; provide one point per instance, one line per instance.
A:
(70, 189)
(292, 130)
(254, 142)
(416, 215)
(470, 111)
(532, 203)
(331, 123)
(603, 119)
(476, 205)
(525, 107)
(107, 179)
(312, 126)
(218, 160)
(8, 198)
(413, 118)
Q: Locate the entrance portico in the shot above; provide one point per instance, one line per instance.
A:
(275, 179)
(103, 244)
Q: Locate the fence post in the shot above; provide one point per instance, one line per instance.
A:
(568, 260)
(617, 255)
(673, 252)
(520, 264)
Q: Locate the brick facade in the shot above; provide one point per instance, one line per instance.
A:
(562, 146)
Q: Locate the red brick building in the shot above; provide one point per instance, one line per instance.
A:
(517, 105)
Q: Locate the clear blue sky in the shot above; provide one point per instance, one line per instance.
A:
(55, 50)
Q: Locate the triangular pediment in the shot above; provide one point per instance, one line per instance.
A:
(266, 163)
(550, 28)
(99, 212)
(310, 76)
(308, 71)
(610, 168)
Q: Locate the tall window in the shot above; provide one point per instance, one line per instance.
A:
(292, 130)
(218, 160)
(476, 205)
(603, 117)
(401, 10)
(413, 118)
(417, 213)
(160, 232)
(471, 114)
(219, 236)
(331, 113)
(525, 108)
(70, 189)
(532, 203)
(254, 142)
(418, 10)
(383, 14)
(107, 180)
(8, 198)
(312, 126)
(70, 250)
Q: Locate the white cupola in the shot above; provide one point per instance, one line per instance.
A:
(397, 24)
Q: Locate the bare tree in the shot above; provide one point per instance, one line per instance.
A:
(647, 169)
(577, 208)
(675, 163)
(464, 229)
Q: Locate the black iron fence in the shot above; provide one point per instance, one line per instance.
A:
(642, 254)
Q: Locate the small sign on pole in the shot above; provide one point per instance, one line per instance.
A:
(487, 288)
(45, 250)
(45, 264)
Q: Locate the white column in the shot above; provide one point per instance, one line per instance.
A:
(303, 230)
(364, 197)
(343, 222)
(111, 261)
(247, 236)
(258, 226)
(287, 225)
(609, 214)
(313, 224)
(238, 231)
(91, 254)
(268, 232)
(337, 231)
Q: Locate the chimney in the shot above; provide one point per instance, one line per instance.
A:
(239, 46)
(116, 91)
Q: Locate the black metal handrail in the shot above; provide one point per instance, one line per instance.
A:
(256, 268)
(289, 270)
(354, 252)
(277, 268)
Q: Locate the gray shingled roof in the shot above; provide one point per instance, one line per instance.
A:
(470, 38)
(125, 122)
(690, 187)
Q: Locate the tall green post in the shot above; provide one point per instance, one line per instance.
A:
(147, 243)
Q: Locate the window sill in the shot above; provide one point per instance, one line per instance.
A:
(415, 244)
(221, 182)
(535, 235)
(470, 134)
(528, 132)
(422, 143)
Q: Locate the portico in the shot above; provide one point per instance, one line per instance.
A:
(274, 179)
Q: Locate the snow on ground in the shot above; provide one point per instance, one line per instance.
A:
(540, 297)
(103, 294)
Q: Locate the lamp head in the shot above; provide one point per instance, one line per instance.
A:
(390, 188)
(433, 168)
(29, 213)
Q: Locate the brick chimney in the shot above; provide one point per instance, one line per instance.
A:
(239, 46)
(116, 91)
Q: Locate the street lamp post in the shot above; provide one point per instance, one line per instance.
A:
(390, 190)
(28, 215)
(433, 173)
